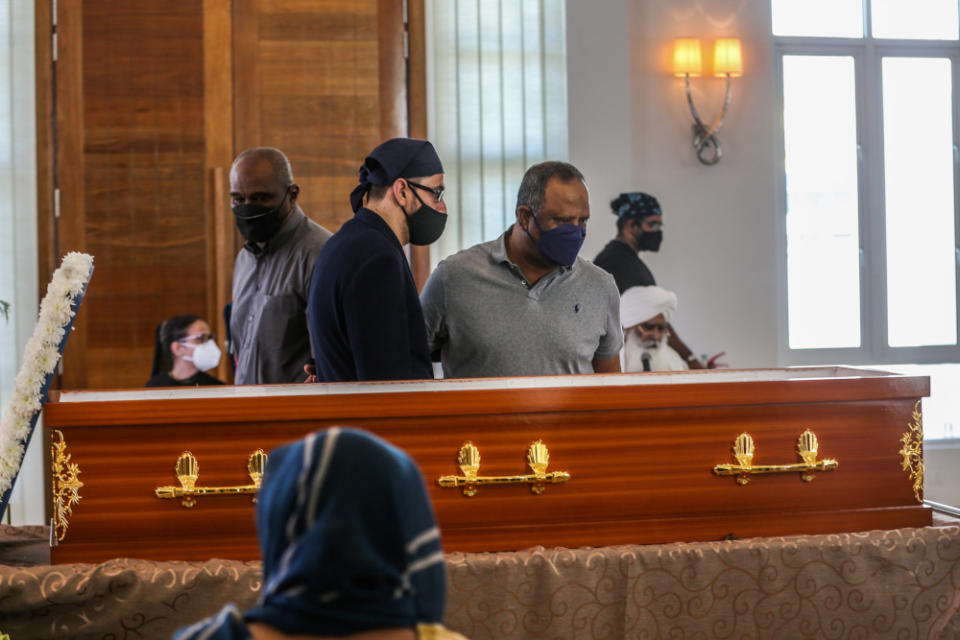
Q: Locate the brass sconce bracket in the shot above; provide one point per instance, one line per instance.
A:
(187, 470)
(705, 138)
(743, 451)
(727, 63)
(538, 458)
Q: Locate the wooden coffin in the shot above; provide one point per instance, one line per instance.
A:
(642, 452)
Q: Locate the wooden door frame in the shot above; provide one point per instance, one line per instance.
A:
(218, 132)
(417, 109)
(59, 79)
(46, 228)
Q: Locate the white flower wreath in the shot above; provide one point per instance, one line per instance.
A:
(40, 358)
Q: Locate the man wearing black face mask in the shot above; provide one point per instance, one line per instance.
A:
(525, 303)
(271, 276)
(639, 228)
(364, 314)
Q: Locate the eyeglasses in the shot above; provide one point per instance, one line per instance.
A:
(651, 326)
(437, 193)
(202, 337)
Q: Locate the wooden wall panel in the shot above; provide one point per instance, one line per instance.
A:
(148, 104)
(130, 143)
(322, 81)
(144, 189)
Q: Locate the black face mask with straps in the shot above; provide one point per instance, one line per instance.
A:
(256, 222)
(426, 224)
(649, 240)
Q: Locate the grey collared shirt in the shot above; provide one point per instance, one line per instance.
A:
(487, 320)
(268, 322)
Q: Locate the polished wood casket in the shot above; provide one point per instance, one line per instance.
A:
(556, 461)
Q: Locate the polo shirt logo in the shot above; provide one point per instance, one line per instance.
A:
(576, 308)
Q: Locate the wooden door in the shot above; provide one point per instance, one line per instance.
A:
(323, 82)
(141, 113)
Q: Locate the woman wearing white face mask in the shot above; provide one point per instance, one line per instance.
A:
(183, 351)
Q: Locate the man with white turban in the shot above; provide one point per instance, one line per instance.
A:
(645, 313)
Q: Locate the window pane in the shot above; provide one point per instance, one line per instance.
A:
(918, 169)
(496, 92)
(823, 18)
(823, 247)
(927, 20)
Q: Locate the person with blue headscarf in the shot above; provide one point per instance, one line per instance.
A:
(364, 312)
(350, 547)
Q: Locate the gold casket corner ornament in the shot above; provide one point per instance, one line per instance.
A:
(187, 469)
(65, 485)
(538, 459)
(911, 452)
(744, 450)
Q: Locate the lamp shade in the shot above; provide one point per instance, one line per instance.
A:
(686, 57)
(727, 59)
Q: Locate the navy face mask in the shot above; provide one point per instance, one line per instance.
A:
(560, 245)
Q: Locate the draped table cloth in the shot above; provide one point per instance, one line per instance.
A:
(903, 583)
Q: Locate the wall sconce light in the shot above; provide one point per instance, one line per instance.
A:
(687, 63)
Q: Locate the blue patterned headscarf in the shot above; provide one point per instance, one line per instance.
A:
(348, 539)
(636, 205)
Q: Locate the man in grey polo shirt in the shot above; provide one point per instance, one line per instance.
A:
(271, 276)
(525, 304)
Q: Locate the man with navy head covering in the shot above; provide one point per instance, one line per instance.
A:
(363, 312)
(639, 228)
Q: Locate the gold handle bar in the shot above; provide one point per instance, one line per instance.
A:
(468, 459)
(188, 470)
(554, 477)
(179, 492)
(735, 469)
(743, 452)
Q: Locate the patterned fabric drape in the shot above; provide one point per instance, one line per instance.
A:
(881, 584)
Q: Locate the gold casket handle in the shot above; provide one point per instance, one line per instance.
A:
(538, 458)
(743, 451)
(188, 470)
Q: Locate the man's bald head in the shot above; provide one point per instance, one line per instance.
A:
(278, 162)
(262, 177)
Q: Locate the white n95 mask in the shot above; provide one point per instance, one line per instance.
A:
(205, 356)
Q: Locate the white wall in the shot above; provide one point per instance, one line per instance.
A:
(630, 130)
(600, 109)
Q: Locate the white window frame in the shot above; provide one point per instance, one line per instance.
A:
(867, 54)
